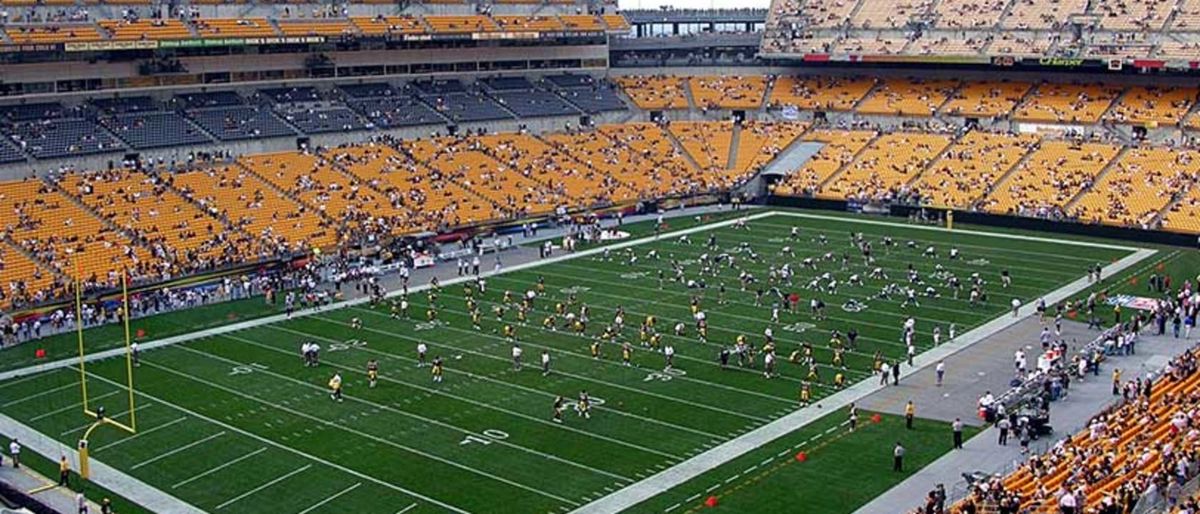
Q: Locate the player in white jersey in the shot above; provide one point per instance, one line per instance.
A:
(422, 349)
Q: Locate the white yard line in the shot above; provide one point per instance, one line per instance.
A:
(681, 473)
(210, 471)
(38, 395)
(381, 440)
(138, 434)
(406, 509)
(181, 449)
(331, 498)
(414, 416)
(476, 403)
(76, 405)
(239, 497)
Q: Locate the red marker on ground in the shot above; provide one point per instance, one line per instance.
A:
(801, 457)
(711, 501)
(40, 353)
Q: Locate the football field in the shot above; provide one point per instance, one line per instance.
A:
(235, 423)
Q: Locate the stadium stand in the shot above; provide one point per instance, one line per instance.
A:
(1115, 458)
(239, 122)
(655, 92)
(1138, 186)
(241, 27)
(539, 160)
(593, 99)
(53, 33)
(1067, 103)
(512, 192)
(145, 130)
(467, 107)
(1162, 106)
(337, 196)
(142, 30)
(728, 92)
(760, 142)
(986, 99)
(886, 166)
(430, 201)
(534, 103)
(234, 194)
(820, 93)
(61, 137)
(707, 142)
(970, 167)
(1050, 177)
(399, 111)
(57, 231)
(840, 148)
(181, 237)
(25, 282)
(908, 97)
(9, 153)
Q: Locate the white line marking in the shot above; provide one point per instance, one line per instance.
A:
(331, 498)
(671, 508)
(264, 486)
(364, 435)
(692, 498)
(406, 509)
(137, 435)
(460, 398)
(38, 395)
(76, 405)
(218, 468)
(417, 417)
(289, 449)
(183, 448)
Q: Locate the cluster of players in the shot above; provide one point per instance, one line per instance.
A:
(712, 266)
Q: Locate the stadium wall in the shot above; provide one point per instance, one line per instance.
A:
(998, 220)
(293, 62)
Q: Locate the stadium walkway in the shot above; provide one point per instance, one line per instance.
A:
(1067, 416)
(24, 480)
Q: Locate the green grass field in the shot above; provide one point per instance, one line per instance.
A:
(235, 423)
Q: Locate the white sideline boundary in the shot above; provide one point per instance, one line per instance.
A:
(683, 472)
(159, 501)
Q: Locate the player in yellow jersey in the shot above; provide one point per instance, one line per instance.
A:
(335, 387)
(522, 314)
(839, 380)
(558, 408)
(541, 285)
(805, 394)
(595, 347)
(372, 373)
(626, 354)
(431, 314)
(436, 369)
(549, 323)
(510, 333)
(584, 406)
(655, 341)
(813, 376)
(475, 322)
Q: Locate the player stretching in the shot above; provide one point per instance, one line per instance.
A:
(584, 406)
(335, 387)
(437, 369)
(558, 409)
(372, 373)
